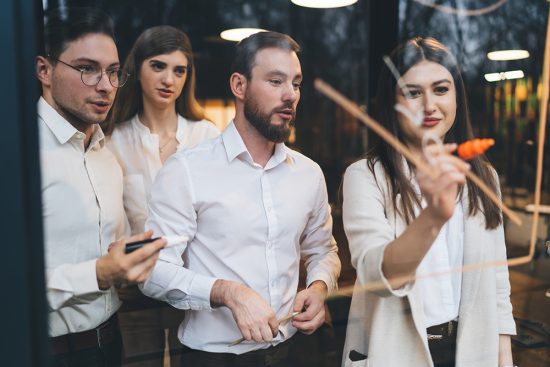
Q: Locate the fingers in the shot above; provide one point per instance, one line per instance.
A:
(266, 332)
(140, 272)
(119, 245)
(309, 326)
(136, 266)
(256, 335)
(313, 311)
(299, 302)
(146, 251)
(140, 237)
(274, 326)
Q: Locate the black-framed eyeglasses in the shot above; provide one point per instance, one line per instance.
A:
(91, 75)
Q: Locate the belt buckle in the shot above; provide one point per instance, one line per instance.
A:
(435, 337)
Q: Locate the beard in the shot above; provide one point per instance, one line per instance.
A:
(262, 121)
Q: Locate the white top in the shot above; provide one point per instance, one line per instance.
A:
(83, 214)
(441, 293)
(246, 223)
(137, 151)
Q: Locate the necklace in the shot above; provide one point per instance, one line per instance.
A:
(161, 147)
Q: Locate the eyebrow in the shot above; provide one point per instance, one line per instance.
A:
(84, 59)
(434, 83)
(283, 74)
(164, 63)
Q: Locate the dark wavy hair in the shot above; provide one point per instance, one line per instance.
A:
(154, 41)
(404, 57)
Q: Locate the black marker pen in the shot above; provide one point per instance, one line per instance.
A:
(170, 241)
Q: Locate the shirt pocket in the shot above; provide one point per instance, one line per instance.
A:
(135, 202)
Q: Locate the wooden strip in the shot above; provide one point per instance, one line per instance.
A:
(542, 133)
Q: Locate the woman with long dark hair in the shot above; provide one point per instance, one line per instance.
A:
(154, 115)
(401, 223)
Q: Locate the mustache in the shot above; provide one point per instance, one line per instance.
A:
(285, 106)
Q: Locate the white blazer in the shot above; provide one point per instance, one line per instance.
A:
(388, 325)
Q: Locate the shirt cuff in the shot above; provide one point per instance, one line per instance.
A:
(327, 279)
(200, 290)
(84, 278)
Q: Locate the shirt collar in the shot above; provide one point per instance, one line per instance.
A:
(234, 147)
(143, 130)
(233, 143)
(62, 129)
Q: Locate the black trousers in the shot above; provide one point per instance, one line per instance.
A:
(443, 350)
(109, 355)
(316, 350)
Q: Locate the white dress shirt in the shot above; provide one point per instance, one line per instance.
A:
(137, 151)
(246, 223)
(83, 214)
(441, 293)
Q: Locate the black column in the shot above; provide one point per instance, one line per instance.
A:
(23, 306)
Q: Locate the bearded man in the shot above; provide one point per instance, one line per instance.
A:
(252, 209)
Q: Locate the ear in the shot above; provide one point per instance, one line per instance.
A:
(238, 84)
(43, 70)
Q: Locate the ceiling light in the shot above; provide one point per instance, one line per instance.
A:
(237, 34)
(323, 4)
(513, 74)
(508, 55)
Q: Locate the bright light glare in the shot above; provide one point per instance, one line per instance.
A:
(237, 34)
(513, 74)
(323, 4)
(508, 55)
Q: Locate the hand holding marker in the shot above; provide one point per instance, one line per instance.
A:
(170, 241)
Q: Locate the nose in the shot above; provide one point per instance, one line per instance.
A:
(429, 104)
(168, 78)
(104, 84)
(291, 93)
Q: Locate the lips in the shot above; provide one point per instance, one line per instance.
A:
(101, 106)
(165, 93)
(429, 122)
(286, 114)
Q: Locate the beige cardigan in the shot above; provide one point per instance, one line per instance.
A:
(388, 325)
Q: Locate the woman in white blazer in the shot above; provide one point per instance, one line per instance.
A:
(401, 223)
(154, 116)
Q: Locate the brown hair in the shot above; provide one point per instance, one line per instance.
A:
(154, 41)
(405, 57)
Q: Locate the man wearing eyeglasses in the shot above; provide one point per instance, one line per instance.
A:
(82, 190)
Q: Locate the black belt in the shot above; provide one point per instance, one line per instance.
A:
(104, 334)
(443, 332)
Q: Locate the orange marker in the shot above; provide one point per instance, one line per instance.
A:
(474, 147)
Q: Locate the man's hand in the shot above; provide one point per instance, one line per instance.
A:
(117, 267)
(254, 317)
(311, 303)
